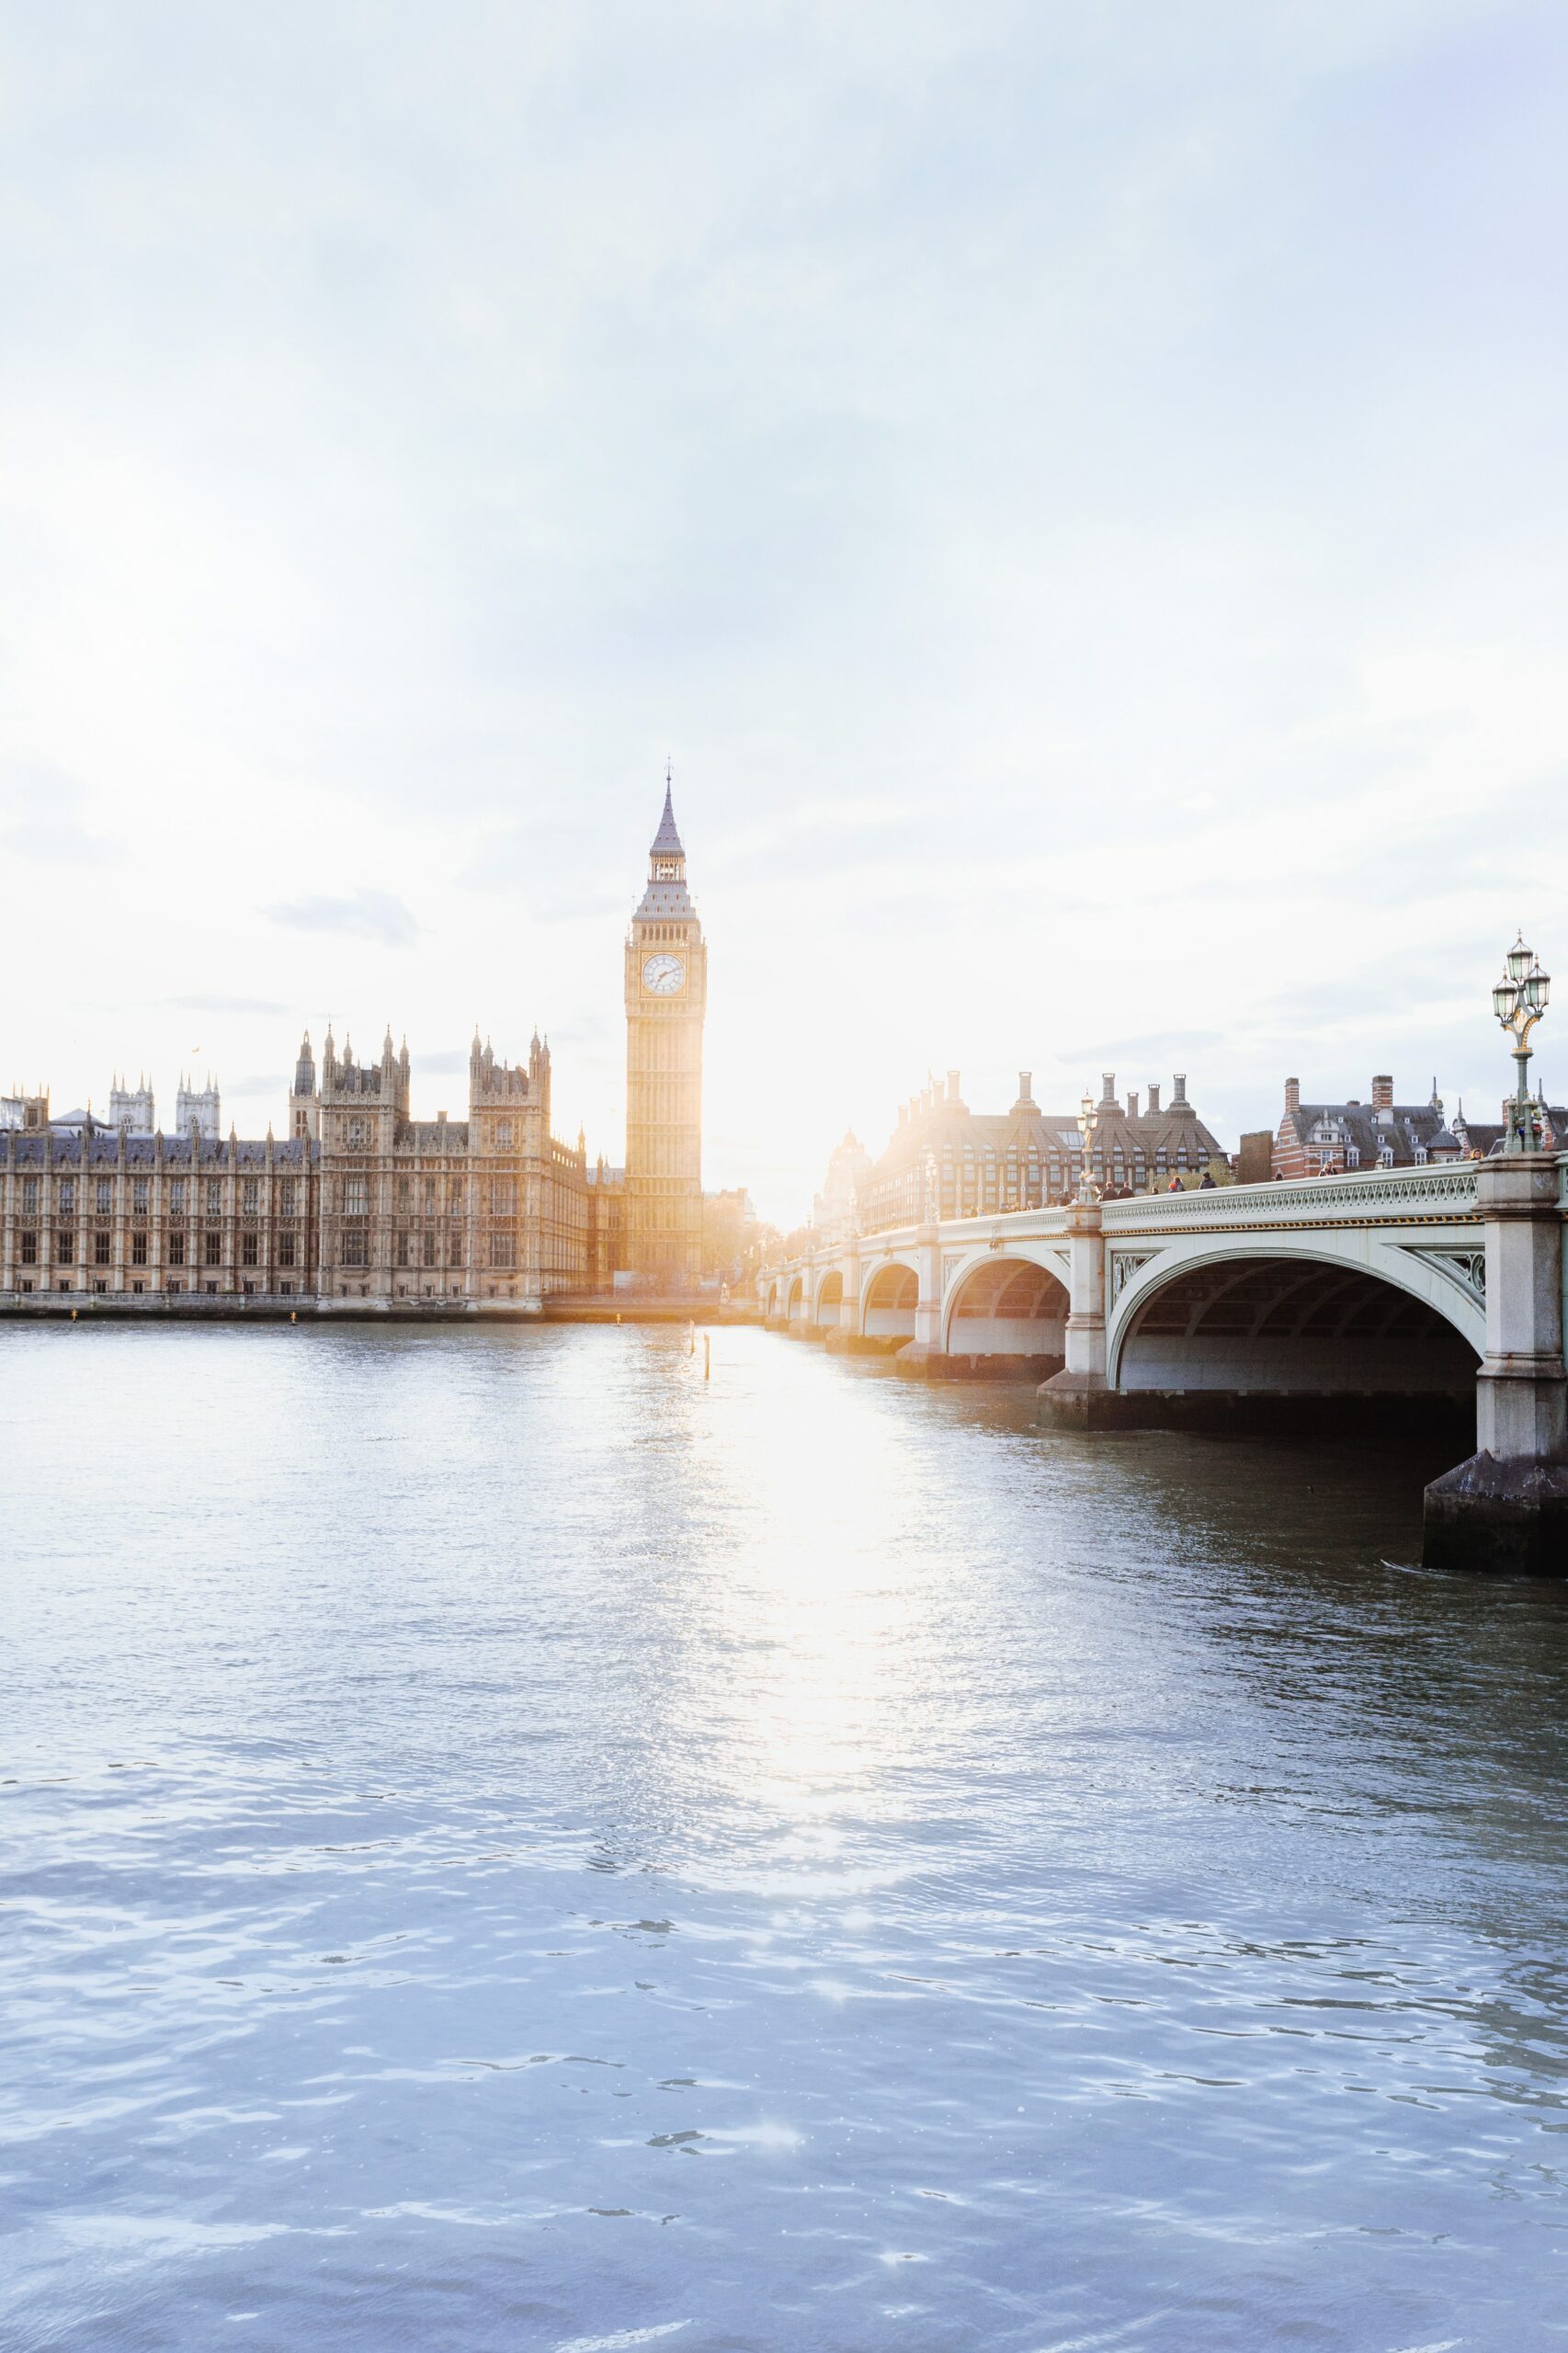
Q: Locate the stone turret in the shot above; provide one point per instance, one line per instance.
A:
(491, 1080)
(360, 1106)
(198, 1107)
(132, 1107)
(539, 1075)
(302, 1114)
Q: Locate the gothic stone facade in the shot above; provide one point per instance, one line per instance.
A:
(487, 1210)
(360, 1207)
(88, 1212)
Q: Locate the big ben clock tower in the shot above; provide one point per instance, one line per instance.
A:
(666, 993)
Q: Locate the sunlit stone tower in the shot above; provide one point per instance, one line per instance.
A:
(666, 992)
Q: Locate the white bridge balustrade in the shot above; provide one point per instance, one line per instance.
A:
(1251, 1305)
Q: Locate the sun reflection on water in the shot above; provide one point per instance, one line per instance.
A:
(826, 1608)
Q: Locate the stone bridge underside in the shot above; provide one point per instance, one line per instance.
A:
(1380, 1297)
(1007, 1307)
(1291, 1326)
(891, 1297)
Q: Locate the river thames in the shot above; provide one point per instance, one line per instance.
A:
(508, 1844)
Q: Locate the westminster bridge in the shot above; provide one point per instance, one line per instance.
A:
(1408, 1289)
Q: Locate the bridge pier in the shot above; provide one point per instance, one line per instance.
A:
(1078, 1397)
(913, 1358)
(1507, 1507)
(837, 1334)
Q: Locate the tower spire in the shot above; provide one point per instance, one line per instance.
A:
(668, 841)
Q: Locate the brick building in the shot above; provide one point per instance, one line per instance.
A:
(1327, 1139)
(945, 1160)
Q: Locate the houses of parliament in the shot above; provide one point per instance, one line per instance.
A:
(356, 1205)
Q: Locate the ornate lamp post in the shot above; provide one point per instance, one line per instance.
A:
(1519, 1000)
(1086, 1133)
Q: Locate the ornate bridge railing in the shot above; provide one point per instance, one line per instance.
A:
(1444, 1195)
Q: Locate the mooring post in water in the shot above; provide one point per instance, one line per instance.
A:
(707, 1355)
(1506, 1508)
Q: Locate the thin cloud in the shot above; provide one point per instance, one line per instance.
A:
(1146, 1048)
(226, 1004)
(57, 842)
(368, 915)
(47, 805)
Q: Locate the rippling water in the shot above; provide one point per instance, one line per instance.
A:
(508, 1845)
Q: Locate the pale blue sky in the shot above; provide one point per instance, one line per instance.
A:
(1079, 491)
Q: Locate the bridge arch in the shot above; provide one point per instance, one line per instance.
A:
(892, 1292)
(829, 1309)
(795, 1301)
(1004, 1304)
(1288, 1314)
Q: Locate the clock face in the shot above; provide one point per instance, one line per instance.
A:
(664, 975)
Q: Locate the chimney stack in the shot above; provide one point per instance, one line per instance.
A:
(1132, 1106)
(1383, 1093)
(1154, 1101)
(1107, 1087)
(1292, 1095)
(1179, 1091)
(952, 1086)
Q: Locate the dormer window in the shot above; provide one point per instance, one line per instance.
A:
(1353, 1156)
